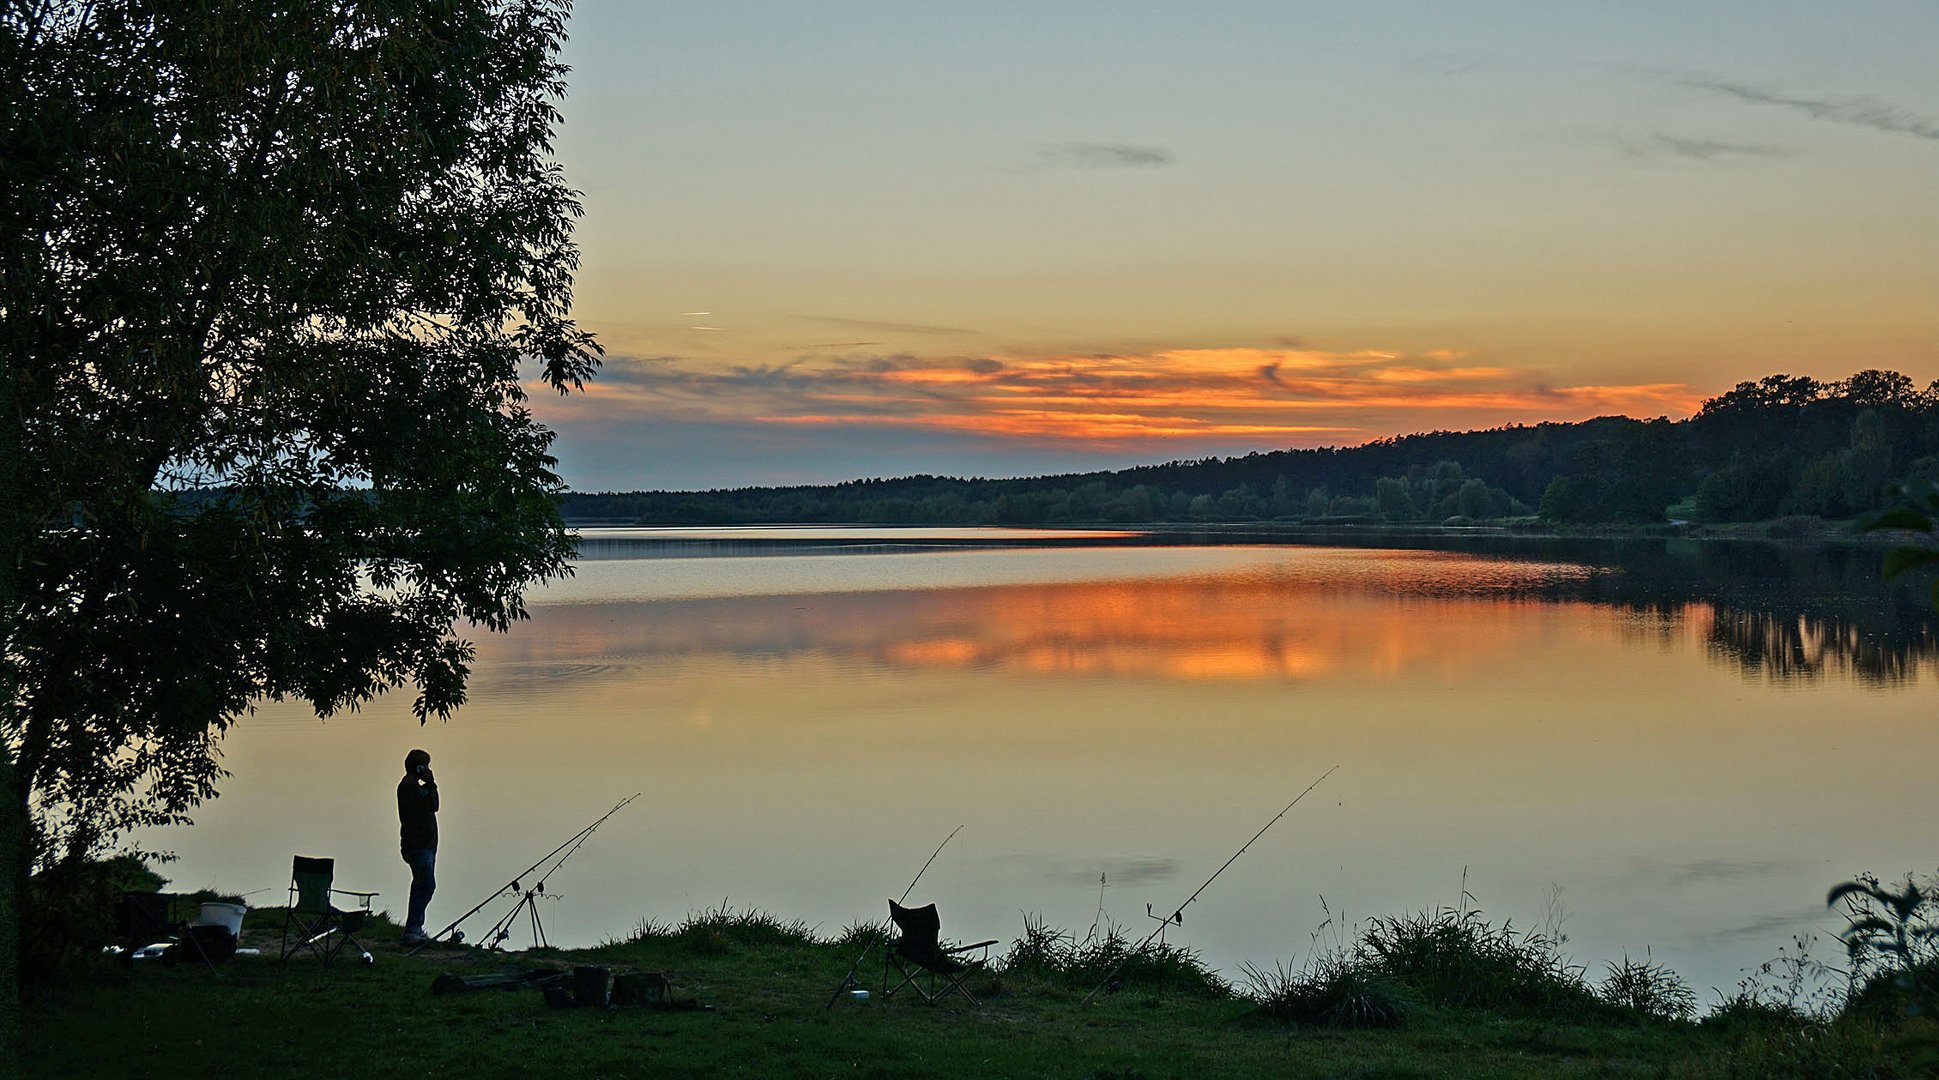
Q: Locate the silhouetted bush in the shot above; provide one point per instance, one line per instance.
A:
(1648, 989)
(1106, 958)
(1332, 991)
(1454, 957)
(74, 907)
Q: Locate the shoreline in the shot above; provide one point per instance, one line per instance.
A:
(747, 993)
(1813, 532)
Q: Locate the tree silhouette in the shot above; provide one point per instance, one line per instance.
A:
(270, 274)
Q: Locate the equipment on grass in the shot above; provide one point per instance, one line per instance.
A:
(848, 980)
(920, 950)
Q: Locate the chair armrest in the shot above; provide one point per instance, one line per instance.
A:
(977, 945)
(364, 896)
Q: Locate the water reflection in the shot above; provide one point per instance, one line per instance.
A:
(1213, 629)
(1786, 614)
(1255, 613)
(1798, 647)
(751, 540)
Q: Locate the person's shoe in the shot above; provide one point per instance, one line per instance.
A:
(412, 938)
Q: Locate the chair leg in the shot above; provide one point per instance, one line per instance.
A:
(940, 984)
(956, 984)
(312, 933)
(331, 936)
(351, 939)
(908, 979)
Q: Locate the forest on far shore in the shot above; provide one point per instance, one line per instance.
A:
(1780, 446)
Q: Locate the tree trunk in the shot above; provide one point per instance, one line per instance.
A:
(13, 799)
(13, 894)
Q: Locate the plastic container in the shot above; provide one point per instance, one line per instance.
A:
(858, 995)
(227, 916)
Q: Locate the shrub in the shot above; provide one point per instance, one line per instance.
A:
(1332, 991)
(1648, 989)
(863, 935)
(1892, 938)
(74, 904)
(1454, 957)
(1790, 990)
(712, 932)
(1108, 958)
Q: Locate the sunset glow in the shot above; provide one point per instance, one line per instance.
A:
(827, 243)
(1177, 402)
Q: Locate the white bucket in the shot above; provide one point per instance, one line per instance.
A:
(227, 916)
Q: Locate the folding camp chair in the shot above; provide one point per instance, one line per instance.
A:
(921, 952)
(323, 928)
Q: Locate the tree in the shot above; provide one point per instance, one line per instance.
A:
(1395, 498)
(1767, 393)
(1871, 389)
(1474, 500)
(1571, 499)
(269, 277)
(1318, 501)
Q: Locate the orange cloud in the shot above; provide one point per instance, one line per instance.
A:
(1161, 398)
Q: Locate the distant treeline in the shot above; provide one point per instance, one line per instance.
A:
(1779, 446)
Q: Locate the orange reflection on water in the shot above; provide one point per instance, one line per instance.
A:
(1276, 616)
(1270, 626)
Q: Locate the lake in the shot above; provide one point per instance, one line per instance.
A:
(1691, 740)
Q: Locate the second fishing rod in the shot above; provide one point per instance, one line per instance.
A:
(550, 862)
(1177, 917)
(848, 980)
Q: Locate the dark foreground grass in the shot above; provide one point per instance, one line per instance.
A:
(766, 982)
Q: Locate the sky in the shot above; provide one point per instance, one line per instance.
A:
(829, 240)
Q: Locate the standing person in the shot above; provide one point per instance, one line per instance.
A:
(417, 819)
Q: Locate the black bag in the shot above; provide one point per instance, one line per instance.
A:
(214, 942)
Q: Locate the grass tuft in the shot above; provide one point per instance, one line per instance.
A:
(1058, 958)
(1455, 957)
(722, 930)
(1332, 991)
(863, 935)
(1648, 989)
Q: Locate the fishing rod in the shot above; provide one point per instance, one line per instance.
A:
(528, 901)
(1177, 917)
(574, 842)
(870, 943)
(925, 866)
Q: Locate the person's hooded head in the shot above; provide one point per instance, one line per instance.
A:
(415, 760)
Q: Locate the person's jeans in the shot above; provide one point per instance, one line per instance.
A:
(423, 863)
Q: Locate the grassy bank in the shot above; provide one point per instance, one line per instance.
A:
(1449, 1002)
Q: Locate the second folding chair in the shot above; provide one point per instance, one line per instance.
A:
(921, 955)
(321, 926)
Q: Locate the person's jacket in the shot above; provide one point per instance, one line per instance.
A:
(417, 814)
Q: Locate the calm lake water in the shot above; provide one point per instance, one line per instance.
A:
(1692, 740)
